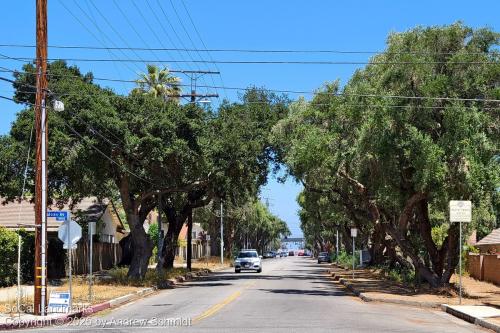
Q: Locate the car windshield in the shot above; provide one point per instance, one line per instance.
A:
(323, 253)
(247, 255)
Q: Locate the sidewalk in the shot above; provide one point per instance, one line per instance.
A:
(480, 304)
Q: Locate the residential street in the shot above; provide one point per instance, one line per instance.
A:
(291, 295)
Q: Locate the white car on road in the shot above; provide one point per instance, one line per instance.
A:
(248, 260)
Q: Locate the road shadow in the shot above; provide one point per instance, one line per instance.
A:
(307, 292)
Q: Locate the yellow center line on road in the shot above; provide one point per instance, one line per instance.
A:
(216, 308)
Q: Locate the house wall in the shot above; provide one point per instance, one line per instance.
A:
(107, 229)
(491, 264)
(489, 248)
(484, 267)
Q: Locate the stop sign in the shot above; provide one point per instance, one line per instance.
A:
(75, 233)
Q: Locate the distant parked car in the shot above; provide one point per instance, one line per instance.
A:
(324, 257)
(268, 254)
(291, 253)
(300, 253)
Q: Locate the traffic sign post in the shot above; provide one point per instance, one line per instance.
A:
(91, 236)
(354, 234)
(70, 233)
(460, 211)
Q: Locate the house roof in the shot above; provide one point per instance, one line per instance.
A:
(22, 213)
(183, 233)
(492, 239)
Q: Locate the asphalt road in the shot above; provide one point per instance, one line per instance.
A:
(292, 294)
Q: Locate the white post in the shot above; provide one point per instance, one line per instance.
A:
(353, 257)
(19, 243)
(221, 235)
(43, 271)
(69, 264)
(460, 267)
(91, 244)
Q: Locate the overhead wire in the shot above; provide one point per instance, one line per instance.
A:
(308, 92)
(269, 62)
(434, 107)
(98, 28)
(222, 50)
(196, 62)
(191, 40)
(91, 145)
(203, 43)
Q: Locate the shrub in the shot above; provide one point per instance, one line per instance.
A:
(345, 259)
(27, 255)
(8, 244)
(119, 276)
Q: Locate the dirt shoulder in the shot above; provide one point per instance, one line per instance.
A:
(371, 283)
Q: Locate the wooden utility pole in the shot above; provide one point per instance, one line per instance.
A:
(40, 296)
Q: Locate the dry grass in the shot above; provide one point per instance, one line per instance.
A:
(80, 288)
(212, 263)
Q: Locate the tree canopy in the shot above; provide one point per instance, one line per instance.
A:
(389, 165)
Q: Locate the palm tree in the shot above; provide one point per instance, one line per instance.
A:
(159, 83)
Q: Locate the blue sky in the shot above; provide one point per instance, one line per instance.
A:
(256, 24)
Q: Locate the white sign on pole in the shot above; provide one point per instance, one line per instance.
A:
(354, 232)
(75, 233)
(59, 302)
(460, 211)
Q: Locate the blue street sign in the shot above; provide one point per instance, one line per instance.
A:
(60, 215)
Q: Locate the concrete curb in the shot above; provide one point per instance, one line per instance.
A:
(428, 305)
(471, 319)
(433, 305)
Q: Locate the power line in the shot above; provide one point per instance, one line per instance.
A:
(268, 62)
(203, 43)
(431, 107)
(233, 50)
(90, 144)
(178, 38)
(98, 28)
(308, 92)
(189, 37)
(104, 154)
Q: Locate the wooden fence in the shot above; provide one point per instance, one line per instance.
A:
(484, 267)
(105, 256)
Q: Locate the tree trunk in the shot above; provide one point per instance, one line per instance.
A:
(142, 248)
(189, 240)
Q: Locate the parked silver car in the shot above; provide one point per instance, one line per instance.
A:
(248, 260)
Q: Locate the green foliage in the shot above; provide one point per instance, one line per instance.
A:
(345, 259)
(400, 274)
(27, 255)
(439, 233)
(8, 244)
(153, 233)
(363, 156)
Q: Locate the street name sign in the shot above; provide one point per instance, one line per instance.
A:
(460, 211)
(60, 215)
